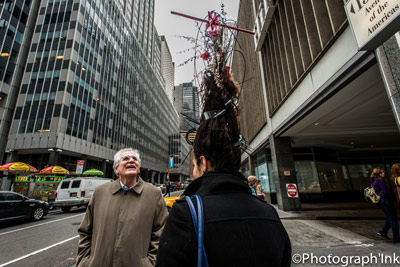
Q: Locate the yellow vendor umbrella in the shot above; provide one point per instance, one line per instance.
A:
(18, 166)
(55, 170)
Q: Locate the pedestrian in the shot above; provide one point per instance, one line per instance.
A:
(260, 190)
(385, 204)
(251, 182)
(167, 189)
(124, 219)
(239, 229)
(395, 170)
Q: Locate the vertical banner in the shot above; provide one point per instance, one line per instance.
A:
(79, 166)
(171, 162)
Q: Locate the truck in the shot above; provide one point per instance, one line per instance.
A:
(77, 191)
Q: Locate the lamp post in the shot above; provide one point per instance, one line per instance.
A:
(54, 155)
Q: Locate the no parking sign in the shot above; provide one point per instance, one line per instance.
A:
(291, 190)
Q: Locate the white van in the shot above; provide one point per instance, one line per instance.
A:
(77, 191)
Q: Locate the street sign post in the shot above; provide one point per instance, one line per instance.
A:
(292, 190)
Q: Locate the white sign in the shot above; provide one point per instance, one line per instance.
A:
(373, 21)
(292, 190)
(79, 166)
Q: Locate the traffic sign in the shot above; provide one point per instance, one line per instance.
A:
(292, 190)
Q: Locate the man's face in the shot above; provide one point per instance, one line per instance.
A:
(128, 164)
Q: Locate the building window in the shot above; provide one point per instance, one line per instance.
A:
(18, 37)
(7, 77)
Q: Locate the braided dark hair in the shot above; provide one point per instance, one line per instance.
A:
(217, 138)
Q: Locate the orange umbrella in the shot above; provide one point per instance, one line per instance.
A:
(18, 166)
(55, 170)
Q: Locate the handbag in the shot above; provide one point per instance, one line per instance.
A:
(198, 222)
(370, 194)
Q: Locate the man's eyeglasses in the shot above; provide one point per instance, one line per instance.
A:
(128, 158)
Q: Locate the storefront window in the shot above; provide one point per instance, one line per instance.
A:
(262, 175)
(271, 178)
(359, 174)
(331, 177)
(307, 177)
(262, 172)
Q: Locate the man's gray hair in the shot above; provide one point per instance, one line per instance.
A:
(117, 156)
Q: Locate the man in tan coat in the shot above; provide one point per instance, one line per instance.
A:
(124, 219)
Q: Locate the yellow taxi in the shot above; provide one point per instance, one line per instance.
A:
(170, 201)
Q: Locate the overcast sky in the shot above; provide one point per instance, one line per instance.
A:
(171, 25)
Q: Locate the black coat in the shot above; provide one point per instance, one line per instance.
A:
(239, 229)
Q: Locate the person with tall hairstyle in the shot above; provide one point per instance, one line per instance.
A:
(239, 229)
(385, 204)
(124, 219)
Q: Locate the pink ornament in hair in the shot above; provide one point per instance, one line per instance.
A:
(205, 55)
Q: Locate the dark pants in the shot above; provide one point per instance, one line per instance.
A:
(391, 222)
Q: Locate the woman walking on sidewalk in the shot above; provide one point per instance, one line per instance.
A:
(385, 204)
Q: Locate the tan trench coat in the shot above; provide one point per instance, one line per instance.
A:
(122, 228)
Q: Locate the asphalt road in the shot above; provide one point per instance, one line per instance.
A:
(53, 241)
(49, 242)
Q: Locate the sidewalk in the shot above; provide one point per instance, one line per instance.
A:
(343, 210)
(341, 230)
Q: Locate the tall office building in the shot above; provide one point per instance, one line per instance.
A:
(156, 58)
(17, 21)
(186, 101)
(167, 68)
(89, 88)
(318, 112)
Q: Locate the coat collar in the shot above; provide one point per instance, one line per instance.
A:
(138, 188)
(212, 182)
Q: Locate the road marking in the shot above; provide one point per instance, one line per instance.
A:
(38, 251)
(20, 229)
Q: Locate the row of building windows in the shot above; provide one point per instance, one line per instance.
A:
(43, 76)
(53, 35)
(57, 17)
(59, 1)
(49, 55)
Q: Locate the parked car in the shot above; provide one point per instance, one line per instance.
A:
(16, 206)
(77, 191)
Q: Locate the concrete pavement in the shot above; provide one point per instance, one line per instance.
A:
(345, 232)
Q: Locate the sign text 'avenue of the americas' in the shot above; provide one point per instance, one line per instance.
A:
(368, 18)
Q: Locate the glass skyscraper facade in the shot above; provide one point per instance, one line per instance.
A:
(186, 101)
(16, 29)
(90, 88)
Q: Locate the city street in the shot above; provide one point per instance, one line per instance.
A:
(52, 241)
(317, 231)
(49, 242)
